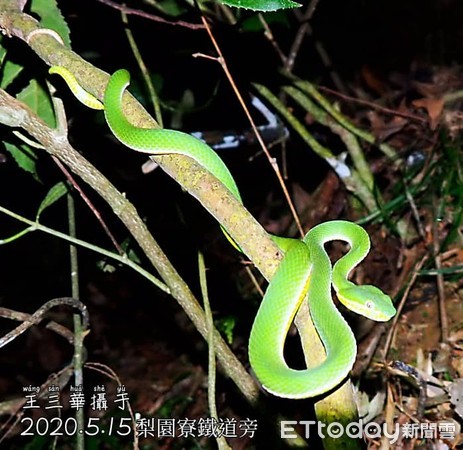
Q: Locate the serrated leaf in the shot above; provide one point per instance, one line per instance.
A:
(24, 156)
(261, 5)
(53, 195)
(51, 17)
(38, 99)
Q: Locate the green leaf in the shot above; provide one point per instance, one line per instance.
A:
(53, 195)
(226, 326)
(171, 8)
(105, 266)
(51, 17)
(24, 156)
(8, 70)
(127, 246)
(2, 50)
(261, 5)
(38, 99)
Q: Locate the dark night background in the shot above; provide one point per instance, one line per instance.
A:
(136, 330)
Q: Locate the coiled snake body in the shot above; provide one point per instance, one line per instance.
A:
(304, 273)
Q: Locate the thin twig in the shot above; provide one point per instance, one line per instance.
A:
(137, 12)
(60, 379)
(144, 70)
(25, 317)
(38, 316)
(444, 324)
(254, 281)
(211, 376)
(310, 89)
(89, 203)
(393, 328)
(414, 209)
(123, 259)
(108, 372)
(373, 105)
(269, 35)
(221, 60)
(296, 45)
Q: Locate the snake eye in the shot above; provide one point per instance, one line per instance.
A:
(369, 304)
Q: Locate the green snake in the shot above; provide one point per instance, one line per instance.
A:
(305, 271)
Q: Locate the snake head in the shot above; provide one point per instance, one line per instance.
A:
(368, 301)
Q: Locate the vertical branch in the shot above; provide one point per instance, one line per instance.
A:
(78, 328)
(211, 375)
(144, 71)
(296, 45)
(444, 325)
